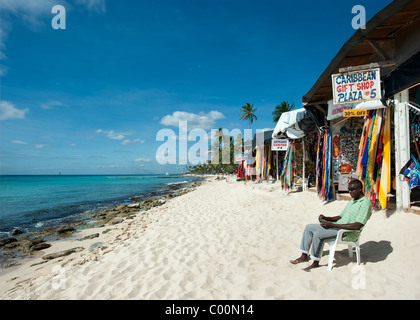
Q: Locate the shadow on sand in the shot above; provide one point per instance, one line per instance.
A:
(370, 252)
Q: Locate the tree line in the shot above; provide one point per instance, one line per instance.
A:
(225, 144)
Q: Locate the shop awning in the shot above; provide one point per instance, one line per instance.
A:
(262, 138)
(287, 124)
(294, 124)
(370, 105)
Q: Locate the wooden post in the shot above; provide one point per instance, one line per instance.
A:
(397, 153)
(405, 145)
(402, 149)
(303, 164)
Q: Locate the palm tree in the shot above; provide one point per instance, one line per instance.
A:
(248, 113)
(216, 148)
(281, 108)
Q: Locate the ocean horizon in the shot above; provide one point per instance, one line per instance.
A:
(32, 203)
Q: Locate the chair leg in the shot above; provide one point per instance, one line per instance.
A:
(350, 251)
(358, 255)
(331, 257)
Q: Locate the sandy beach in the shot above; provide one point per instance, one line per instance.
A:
(224, 240)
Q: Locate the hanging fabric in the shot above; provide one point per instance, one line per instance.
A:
(412, 171)
(268, 161)
(362, 146)
(257, 162)
(365, 157)
(379, 156)
(385, 181)
(328, 180)
(371, 159)
(318, 163)
(324, 182)
(287, 170)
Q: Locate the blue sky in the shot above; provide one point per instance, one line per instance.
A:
(91, 98)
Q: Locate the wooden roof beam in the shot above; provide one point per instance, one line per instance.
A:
(379, 50)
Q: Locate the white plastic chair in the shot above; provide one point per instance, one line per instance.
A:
(333, 245)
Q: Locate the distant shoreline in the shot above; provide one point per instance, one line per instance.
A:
(171, 175)
(12, 253)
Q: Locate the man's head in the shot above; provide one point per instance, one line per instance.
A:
(356, 189)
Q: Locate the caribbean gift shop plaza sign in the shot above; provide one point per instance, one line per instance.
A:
(359, 86)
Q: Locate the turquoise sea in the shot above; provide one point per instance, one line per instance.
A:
(32, 203)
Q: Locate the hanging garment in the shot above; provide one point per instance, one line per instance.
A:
(324, 158)
(365, 158)
(285, 165)
(262, 152)
(287, 172)
(371, 157)
(290, 172)
(385, 181)
(362, 145)
(329, 184)
(377, 145)
(257, 162)
(379, 155)
(318, 163)
(412, 171)
(263, 162)
(241, 170)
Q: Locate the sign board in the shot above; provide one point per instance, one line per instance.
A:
(239, 157)
(355, 113)
(279, 144)
(336, 111)
(356, 86)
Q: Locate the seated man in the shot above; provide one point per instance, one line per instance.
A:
(354, 217)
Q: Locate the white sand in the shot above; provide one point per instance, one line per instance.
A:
(226, 240)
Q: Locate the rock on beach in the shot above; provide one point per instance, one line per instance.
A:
(62, 253)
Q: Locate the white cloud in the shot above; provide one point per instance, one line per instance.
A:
(127, 141)
(37, 146)
(114, 135)
(143, 160)
(201, 120)
(93, 5)
(51, 105)
(18, 142)
(8, 111)
(111, 134)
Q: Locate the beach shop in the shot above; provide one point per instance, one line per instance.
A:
(296, 132)
(369, 95)
(257, 162)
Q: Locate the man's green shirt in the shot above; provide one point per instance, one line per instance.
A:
(355, 211)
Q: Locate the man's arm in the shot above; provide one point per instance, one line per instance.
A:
(347, 226)
(331, 219)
